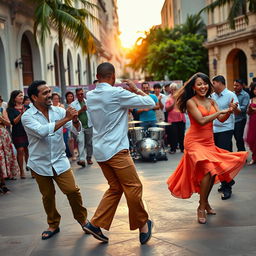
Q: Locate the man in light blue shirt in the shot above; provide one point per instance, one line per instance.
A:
(223, 132)
(48, 162)
(84, 139)
(108, 108)
(148, 115)
(240, 120)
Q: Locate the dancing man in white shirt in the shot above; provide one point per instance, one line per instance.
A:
(108, 111)
(44, 124)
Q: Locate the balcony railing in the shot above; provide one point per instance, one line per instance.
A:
(224, 29)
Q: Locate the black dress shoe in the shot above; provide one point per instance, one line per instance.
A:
(224, 184)
(226, 193)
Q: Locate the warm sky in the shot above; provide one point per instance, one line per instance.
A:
(136, 16)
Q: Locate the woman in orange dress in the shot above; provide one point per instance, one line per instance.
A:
(202, 164)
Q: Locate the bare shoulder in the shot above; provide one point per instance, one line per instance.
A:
(212, 101)
(191, 102)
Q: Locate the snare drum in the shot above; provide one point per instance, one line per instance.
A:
(156, 133)
(136, 133)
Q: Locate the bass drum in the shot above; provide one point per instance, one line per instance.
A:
(149, 149)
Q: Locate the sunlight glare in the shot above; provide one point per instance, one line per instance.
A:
(135, 17)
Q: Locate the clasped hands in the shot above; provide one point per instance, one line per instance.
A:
(232, 107)
(72, 114)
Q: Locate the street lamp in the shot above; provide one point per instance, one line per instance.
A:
(50, 66)
(19, 63)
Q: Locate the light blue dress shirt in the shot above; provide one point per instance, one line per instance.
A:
(223, 100)
(244, 100)
(46, 147)
(108, 110)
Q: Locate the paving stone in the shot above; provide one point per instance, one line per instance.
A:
(231, 232)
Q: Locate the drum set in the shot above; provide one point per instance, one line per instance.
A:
(147, 145)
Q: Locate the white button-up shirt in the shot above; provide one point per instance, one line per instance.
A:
(46, 147)
(223, 100)
(76, 105)
(108, 110)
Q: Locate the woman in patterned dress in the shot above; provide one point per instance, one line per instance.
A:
(8, 162)
(19, 137)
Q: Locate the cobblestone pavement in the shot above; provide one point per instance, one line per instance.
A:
(176, 231)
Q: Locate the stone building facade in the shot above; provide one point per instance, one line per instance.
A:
(175, 12)
(232, 53)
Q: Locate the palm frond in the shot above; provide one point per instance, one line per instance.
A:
(67, 19)
(87, 4)
(42, 15)
(214, 4)
(78, 13)
(238, 8)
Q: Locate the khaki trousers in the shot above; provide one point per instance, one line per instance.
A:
(66, 183)
(122, 178)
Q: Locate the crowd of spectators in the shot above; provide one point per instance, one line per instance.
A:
(14, 142)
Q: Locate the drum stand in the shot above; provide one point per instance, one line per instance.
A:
(162, 153)
(133, 150)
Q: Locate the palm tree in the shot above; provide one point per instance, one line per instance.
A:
(68, 21)
(238, 7)
(194, 24)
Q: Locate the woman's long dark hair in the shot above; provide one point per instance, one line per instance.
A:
(253, 86)
(14, 94)
(186, 92)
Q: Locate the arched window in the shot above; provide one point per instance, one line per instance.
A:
(26, 56)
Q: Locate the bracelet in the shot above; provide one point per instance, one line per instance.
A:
(75, 122)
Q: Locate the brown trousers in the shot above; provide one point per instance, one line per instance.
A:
(66, 183)
(122, 177)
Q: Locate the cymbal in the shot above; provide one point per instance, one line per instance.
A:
(134, 122)
(163, 124)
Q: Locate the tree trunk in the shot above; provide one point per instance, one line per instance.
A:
(89, 69)
(62, 68)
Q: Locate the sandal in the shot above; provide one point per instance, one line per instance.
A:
(49, 233)
(252, 162)
(209, 210)
(201, 220)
